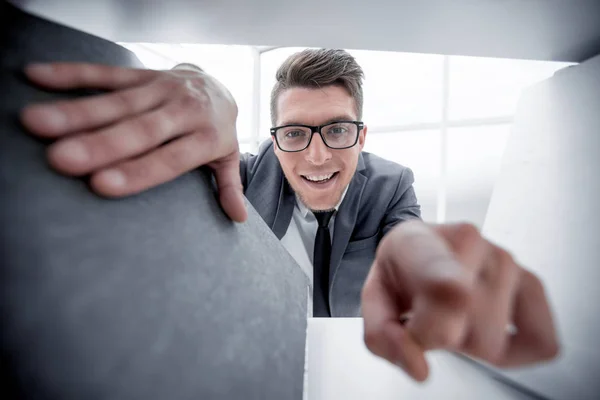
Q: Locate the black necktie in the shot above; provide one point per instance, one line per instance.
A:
(321, 259)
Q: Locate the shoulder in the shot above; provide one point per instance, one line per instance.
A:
(263, 165)
(265, 153)
(382, 171)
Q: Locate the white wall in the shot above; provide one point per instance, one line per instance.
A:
(561, 30)
(545, 211)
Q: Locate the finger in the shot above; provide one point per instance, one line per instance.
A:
(161, 165)
(432, 261)
(441, 285)
(74, 116)
(492, 307)
(86, 153)
(536, 338)
(384, 335)
(229, 183)
(469, 248)
(64, 76)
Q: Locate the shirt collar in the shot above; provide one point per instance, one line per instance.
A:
(305, 210)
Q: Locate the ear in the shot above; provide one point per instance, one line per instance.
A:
(362, 136)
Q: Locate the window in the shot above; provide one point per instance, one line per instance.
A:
(248, 148)
(400, 88)
(474, 161)
(418, 150)
(491, 87)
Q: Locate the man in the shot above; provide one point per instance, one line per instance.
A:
(309, 181)
(316, 143)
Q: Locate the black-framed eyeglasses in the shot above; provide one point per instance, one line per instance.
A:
(336, 135)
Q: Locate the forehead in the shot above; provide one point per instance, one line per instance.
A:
(314, 106)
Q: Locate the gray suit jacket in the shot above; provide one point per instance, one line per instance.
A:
(380, 195)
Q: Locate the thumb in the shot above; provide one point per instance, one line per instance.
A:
(229, 184)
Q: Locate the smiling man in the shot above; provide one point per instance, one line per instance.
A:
(326, 200)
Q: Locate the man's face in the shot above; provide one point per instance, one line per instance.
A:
(318, 174)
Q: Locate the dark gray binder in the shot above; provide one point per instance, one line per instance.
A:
(155, 296)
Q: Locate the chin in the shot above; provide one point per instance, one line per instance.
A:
(319, 204)
(322, 208)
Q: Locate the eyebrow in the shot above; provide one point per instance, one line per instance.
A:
(330, 120)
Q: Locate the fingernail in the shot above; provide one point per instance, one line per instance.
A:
(49, 116)
(114, 178)
(40, 69)
(71, 152)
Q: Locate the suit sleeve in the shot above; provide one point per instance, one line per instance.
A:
(246, 162)
(404, 205)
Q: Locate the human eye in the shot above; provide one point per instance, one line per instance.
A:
(294, 132)
(337, 129)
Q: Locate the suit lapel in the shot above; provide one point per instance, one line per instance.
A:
(285, 209)
(346, 219)
(270, 194)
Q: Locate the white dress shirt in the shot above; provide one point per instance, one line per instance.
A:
(299, 240)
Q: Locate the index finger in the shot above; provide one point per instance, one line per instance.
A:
(384, 334)
(428, 262)
(426, 266)
(65, 76)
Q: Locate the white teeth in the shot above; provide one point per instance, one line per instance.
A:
(318, 178)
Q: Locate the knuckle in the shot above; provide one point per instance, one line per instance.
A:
(505, 263)
(499, 267)
(75, 111)
(167, 83)
(123, 100)
(493, 355)
(210, 136)
(74, 71)
(90, 73)
(199, 80)
(154, 128)
(504, 256)
(373, 341)
(179, 158)
(468, 232)
(454, 294)
(549, 349)
(533, 284)
(446, 340)
(138, 172)
(111, 145)
(191, 100)
(438, 339)
(488, 351)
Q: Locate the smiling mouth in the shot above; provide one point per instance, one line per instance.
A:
(319, 179)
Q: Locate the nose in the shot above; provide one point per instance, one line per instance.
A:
(317, 153)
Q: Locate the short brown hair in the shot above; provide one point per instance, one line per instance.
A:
(314, 68)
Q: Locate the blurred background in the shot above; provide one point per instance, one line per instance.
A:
(448, 118)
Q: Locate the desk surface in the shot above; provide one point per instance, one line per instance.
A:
(341, 368)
